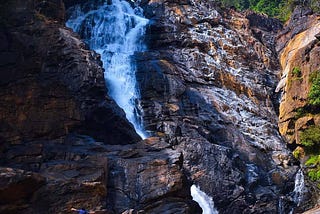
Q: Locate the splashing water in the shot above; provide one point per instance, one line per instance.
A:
(115, 31)
(204, 201)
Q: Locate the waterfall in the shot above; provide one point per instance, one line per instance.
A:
(299, 187)
(115, 31)
(204, 201)
(281, 205)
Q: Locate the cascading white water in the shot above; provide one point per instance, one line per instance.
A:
(204, 201)
(115, 31)
(299, 187)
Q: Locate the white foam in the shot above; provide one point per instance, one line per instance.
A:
(115, 31)
(204, 201)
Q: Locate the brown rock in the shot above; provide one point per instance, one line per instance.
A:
(18, 187)
(51, 84)
(300, 53)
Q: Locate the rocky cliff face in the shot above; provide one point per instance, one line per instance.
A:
(52, 89)
(207, 85)
(51, 84)
(299, 54)
(299, 119)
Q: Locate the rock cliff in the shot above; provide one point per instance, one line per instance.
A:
(52, 88)
(298, 45)
(207, 84)
(51, 84)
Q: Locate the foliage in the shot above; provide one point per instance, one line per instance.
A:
(296, 71)
(314, 174)
(315, 5)
(298, 152)
(314, 93)
(269, 7)
(314, 163)
(280, 9)
(313, 160)
(311, 136)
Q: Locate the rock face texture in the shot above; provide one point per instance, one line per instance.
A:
(52, 90)
(51, 84)
(299, 50)
(298, 45)
(207, 86)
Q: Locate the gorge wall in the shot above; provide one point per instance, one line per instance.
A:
(207, 85)
(298, 44)
(207, 82)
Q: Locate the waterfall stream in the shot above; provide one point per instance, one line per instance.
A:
(115, 31)
(299, 187)
(204, 201)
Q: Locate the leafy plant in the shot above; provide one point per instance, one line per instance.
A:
(280, 9)
(313, 160)
(311, 137)
(296, 71)
(314, 93)
(298, 152)
(313, 163)
(314, 174)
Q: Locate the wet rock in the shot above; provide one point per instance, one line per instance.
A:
(225, 68)
(51, 84)
(312, 211)
(301, 54)
(150, 182)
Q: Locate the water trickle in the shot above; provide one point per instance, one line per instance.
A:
(281, 205)
(299, 188)
(115, 31)
(204, 201)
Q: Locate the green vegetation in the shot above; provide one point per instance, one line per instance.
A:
(296, 71)
(313, 163)
(280, 9)
(298, 152)
(270, 7)
(310, 137)
(313, 160)
(314, 93)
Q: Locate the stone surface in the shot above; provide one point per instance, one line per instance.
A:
(18, 187)
(302, 52)
(76, 171)
(51, 84)
(207, 84)
(299, 53)
(68, 173)
(313, 211)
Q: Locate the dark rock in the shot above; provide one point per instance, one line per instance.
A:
(51, 84)
(220, 113)
(18, 187)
